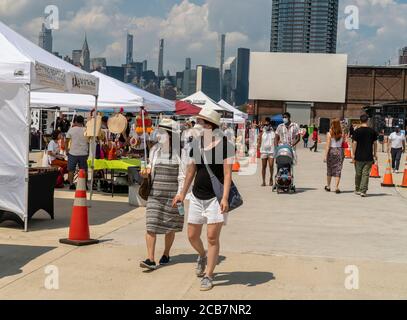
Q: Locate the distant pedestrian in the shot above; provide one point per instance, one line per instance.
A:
(396, 147)
(334, 155)
(266, 143)
(381, 139)
(364, 154)
(305, 137)
(315, 138)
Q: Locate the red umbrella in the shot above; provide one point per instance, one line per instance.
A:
(183, 108)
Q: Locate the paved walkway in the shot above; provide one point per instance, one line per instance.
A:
(276, 247)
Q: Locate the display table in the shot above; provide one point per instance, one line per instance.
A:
(41, 187)
(115, 166)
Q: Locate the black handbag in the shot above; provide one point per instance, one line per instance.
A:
(235, 198)
(145, 188)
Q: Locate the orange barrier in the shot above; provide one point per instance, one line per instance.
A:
(388, 177)
(375, 172)
(79, 234)
(404, 184)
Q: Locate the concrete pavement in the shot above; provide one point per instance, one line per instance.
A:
(275, 247)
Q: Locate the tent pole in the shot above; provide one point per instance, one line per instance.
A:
(144, 134)
(27, 170)
(93, 151)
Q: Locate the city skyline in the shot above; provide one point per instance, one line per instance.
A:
(191, 28)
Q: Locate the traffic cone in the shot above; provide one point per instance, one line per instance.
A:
(375, 172)
(404, 184)
(79, 234)
(388, 177)
(236, 166)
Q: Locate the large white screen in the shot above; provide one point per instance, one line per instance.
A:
(298, 77)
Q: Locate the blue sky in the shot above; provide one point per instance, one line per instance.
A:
(190, 28)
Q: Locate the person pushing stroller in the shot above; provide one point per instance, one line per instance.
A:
(287, 137)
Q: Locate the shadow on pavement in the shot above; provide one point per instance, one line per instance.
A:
(100, 213)
(190, 258)
(13, 258)
(249, 279)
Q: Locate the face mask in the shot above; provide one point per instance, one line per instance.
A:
(286, 121)
(199, 128)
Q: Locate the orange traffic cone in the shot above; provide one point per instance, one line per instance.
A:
(79, 234)
(388, 177)
(404, 184)
(348, 153)
(375, 172)
(236, 166)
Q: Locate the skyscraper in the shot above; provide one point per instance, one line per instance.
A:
(189, 82)
(242, 76)
(129, 52)
(145, 65)
(188, 64)
(208, 81)
(229, 79)
(304, 26)
(220, 60)
(403, 56)
(99, 64)
(45, 38)
(161, 60)
(85, 59)
(76, 57)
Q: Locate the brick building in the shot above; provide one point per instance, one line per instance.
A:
(366, 85)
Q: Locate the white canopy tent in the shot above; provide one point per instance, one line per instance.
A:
(112, 94)
(24, 68)
(239, 117)
(201, 100)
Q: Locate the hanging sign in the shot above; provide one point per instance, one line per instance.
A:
(50, 77)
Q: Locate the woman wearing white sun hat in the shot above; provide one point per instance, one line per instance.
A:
(217, 154)
(167, 174)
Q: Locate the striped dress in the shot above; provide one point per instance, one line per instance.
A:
(162, 218)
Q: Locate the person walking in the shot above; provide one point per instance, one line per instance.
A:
(213, 154)
(167, 175)
(315, 137)
(364, 154)
(266, 143)
(77, 149)
(396, 147)
(334, 155)
(381, 139)
(305, 137)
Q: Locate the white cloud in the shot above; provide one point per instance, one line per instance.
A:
(12, 7)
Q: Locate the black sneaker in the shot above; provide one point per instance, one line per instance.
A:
(72, 187)
(148, 265)
(165, 260)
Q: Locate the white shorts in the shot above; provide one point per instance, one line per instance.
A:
(205, 212)
(265, 156)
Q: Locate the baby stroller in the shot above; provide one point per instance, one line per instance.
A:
(284, 181)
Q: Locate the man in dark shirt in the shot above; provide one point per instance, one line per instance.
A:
(364, 154)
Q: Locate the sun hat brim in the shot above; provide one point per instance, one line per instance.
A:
(209, 120)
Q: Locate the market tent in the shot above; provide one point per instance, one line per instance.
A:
(25, 67)
(235, 111)
(201, 100)
(183, 108)
(112, 94)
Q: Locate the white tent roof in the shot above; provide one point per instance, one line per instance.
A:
(235, 111)
(112, 94)
(201, 100)
(21, 61)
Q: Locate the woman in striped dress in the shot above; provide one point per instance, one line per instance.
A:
(168, 174)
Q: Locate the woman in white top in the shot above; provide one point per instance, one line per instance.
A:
(334, 155)
(266, 142)
(167, 175)
(55, 159)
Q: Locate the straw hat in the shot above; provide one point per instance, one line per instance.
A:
(169, 125)
(210, 115)
(117, 124)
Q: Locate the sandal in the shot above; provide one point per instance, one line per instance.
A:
(327, 189)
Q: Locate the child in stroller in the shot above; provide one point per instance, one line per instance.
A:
(285, 174)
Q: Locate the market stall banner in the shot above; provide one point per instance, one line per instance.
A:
(82, 83)
(47, 76)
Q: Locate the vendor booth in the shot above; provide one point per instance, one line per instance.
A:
(25, 68)
(202, 101)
